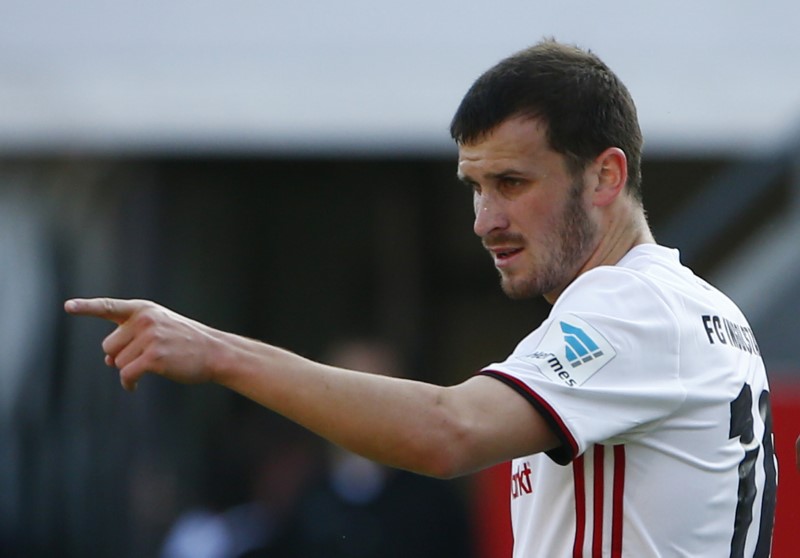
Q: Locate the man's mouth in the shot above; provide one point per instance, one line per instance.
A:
(504, 248)
(504, 255)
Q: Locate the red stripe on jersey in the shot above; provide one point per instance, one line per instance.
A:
(598, 475)
(596, 499)
(580, 506)
(619, 490)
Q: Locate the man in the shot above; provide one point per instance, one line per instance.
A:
(637, 415)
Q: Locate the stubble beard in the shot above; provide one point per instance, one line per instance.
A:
(570, 244)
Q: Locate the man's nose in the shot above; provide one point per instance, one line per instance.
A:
(489, 215)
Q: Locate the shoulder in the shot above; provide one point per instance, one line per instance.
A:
(647, 278)
(618, 291)
(636, 307)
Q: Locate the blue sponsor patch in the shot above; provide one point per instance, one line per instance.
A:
(580, 348)
(571, 351)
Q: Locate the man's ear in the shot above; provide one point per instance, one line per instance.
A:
(611, 167)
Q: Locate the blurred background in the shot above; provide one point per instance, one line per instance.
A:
(284, 171)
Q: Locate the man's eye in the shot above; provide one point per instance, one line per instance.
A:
(511, 181)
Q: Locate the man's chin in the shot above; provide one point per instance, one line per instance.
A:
(518, 290)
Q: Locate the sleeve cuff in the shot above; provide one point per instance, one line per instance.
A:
(568, 450)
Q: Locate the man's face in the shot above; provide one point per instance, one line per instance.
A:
(530, 211)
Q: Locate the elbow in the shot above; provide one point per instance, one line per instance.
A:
(449, 454)
(442, 468)
(452, 461)
(448, 472)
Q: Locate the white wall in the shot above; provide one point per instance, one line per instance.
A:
(352, 75)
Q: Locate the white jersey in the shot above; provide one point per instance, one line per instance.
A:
(654, 382)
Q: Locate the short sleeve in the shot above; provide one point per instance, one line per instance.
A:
(604, 367)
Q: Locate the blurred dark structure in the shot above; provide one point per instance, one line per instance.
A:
(293, 251)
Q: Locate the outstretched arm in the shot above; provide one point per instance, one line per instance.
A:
(429, 429)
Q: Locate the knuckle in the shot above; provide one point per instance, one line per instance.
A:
(156, 355)
(147, 318)
(108, 305)
(141, 307)
(154, 336)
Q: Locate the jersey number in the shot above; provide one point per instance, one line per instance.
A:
(742, 427)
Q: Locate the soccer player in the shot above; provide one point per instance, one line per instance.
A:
(637, 414)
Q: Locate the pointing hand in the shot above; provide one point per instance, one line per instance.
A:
(150, 338)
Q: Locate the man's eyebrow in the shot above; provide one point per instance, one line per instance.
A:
(505, 173)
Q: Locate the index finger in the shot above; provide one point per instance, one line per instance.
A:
(113, 309)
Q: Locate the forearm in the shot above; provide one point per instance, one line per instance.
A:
(438, 431)
(398, 422)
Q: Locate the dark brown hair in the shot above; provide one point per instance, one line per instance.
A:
(584, 105)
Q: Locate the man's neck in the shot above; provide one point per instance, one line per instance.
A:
(620, 237)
